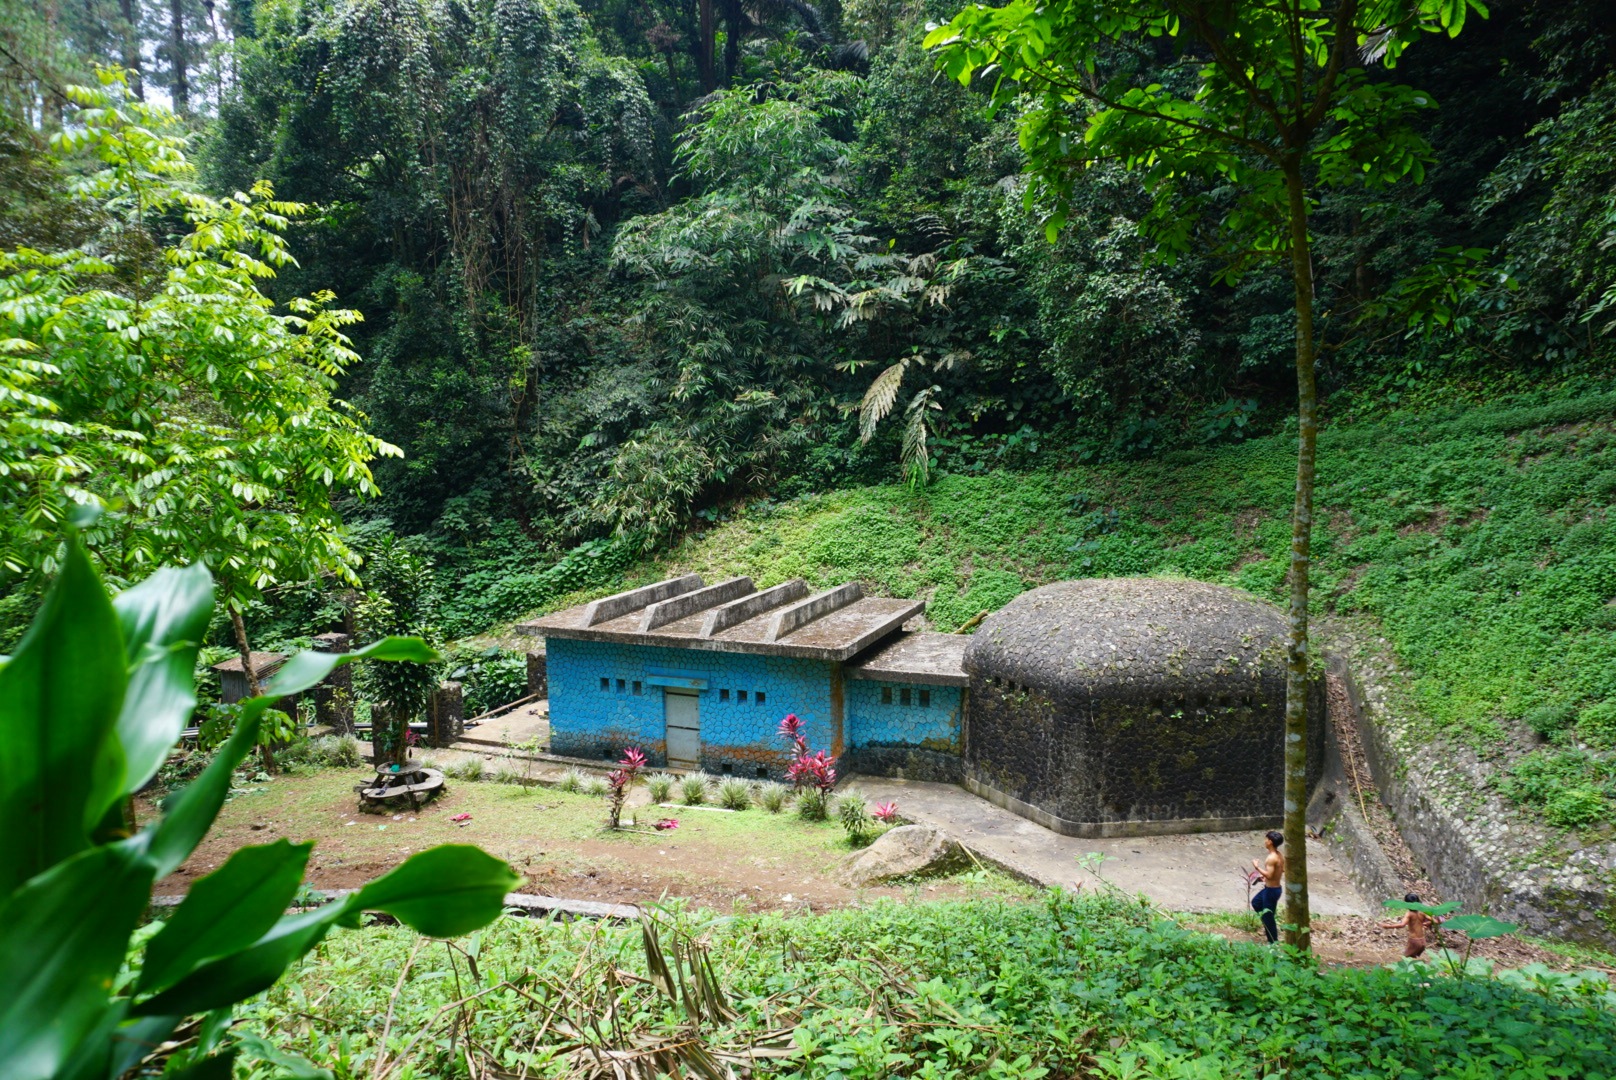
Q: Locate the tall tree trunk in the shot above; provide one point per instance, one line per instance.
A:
(1298, 918)
(707, 35)
(179, 60)
(131, 46)
(254, 688)
(734, 17)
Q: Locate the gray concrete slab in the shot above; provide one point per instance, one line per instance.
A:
(1196, 873)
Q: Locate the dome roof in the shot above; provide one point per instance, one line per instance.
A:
(1125, 635)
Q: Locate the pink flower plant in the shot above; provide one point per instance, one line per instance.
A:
(667, 824)
(885, 812)
(619, 781)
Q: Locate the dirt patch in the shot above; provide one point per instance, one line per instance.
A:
(745, 861)
(1246, 522)
(1354, 941)
(1431, 524)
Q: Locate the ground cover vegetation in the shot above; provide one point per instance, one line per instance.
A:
(1094, 986)
(749, 286)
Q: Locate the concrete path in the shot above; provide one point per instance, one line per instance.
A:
(1198, 872)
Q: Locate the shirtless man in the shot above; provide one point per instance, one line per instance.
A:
(1271, 868)
(1418, 924)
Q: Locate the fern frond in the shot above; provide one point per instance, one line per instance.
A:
(914, 455)
(879, 399)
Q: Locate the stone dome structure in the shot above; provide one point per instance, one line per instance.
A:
(1133, 706)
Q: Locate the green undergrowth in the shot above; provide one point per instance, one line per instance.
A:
(1481, 542)
(1090, 986)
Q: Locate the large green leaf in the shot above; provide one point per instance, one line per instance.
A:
(59, 699)
(1436, 911)
(63, 937)
(189, 813)
(443, 891)
(164, 620)
(307, 669)
(226, 911)
(229, 979)
(1480, 927)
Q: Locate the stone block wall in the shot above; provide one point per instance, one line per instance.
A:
(911, 731)
(602, 700)
(1167, 760)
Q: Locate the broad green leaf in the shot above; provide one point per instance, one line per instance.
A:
(443, 891)
(1480, 927)
(164, 620)
(136, 1039)
(59, 699)
(307, 669)
(229, 979)
(189, 812)
(63, 937)
(1434, 910)
(226, 911)
(292, 1066)
(220, 1066)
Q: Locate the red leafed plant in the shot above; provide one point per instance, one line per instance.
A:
(885, 812)
(816, 770)
(620, 781)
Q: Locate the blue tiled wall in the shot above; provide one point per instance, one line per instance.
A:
(586, 721)
(874, 723)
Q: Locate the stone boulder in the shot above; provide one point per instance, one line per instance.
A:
(907, 851)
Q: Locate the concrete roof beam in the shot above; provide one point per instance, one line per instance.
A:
(803, 612)
(684, 605)
(608, 608)
(736, 612)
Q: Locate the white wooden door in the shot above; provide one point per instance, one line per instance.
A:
(683, 712)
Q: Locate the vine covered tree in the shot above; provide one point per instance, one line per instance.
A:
(1264, 104)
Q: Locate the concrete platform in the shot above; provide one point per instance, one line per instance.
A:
(1194, 873)
(525, 724)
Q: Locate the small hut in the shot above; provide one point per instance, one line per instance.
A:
(1133, 706)
(233, 679)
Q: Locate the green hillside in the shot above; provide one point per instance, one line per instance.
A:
(1481, 542)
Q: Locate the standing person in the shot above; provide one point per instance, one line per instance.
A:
(1271, 868)
(1418, 923)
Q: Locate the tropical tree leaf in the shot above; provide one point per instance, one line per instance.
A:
(226, 911)
(1480, 927)
(164, 620)
(443, 891)
(59, 699)
(228, 979)
(63, 937)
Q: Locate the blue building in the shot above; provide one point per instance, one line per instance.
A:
(699, 676)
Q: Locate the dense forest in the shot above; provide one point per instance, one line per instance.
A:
(580, 277)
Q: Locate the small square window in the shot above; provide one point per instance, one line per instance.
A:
(763, 772)
(925, 699)
(723, 695)
(728, 768)
(904, 696)
(636, 686)
(605, 683)
(886, 695)
(622, 684)
(758, 697)
(740, 696)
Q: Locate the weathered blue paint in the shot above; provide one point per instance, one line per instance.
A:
(590, 720)
(606, 696)
(873, 721)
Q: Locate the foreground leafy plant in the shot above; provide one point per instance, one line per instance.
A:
(95, 696)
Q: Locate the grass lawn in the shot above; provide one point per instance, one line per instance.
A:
(747, 860)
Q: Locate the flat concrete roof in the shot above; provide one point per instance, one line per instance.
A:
(915, 657)
(733, 616)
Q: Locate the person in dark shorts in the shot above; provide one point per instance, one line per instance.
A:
(1271, 869)
(1417, 923)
